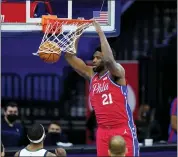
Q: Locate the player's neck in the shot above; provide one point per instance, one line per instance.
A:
(34, 147)
(101, 73)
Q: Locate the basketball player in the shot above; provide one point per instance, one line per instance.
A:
(36, 136)
(108, 96)
(117, 146)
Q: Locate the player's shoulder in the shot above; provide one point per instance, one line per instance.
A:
(17, 154)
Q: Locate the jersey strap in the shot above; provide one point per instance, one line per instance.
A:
(45, 154)
(19, 153)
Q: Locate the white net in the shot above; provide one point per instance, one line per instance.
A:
(56, 37)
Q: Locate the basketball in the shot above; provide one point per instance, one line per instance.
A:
(49, 52)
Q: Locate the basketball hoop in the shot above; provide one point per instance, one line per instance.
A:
(54, 32)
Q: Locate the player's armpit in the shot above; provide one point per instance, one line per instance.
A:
(79, 66)
(115, 69)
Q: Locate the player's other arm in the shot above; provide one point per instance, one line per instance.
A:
(114, 68)
(174, 115)
(49, 154)
(58, 152)
(174, 122)
(78, 64)
(17, 154)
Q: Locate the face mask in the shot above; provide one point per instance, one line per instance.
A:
(12, 118)
(54, 136)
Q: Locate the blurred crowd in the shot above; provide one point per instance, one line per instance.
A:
(14, 132)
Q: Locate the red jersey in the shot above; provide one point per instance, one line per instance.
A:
(109, 101)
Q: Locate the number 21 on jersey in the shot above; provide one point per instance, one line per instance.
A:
(107, 99)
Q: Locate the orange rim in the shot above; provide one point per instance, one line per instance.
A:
(46, 19)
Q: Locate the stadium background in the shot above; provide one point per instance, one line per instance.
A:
(55, 92)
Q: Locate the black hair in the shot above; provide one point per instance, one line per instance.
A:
(10, 104)
(55, 122)
(113, 51)
(35, 132)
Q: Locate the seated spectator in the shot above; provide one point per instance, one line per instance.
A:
(117, 146)
(143, 122)
(11, 131)
(154, 128)
(173, 124)
(147, 126)
(55, 135)
(144, 113)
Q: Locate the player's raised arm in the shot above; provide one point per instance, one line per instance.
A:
(78, 64)
(114, 68)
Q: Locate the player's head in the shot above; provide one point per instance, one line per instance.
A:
(36, 134)
(117, 146)
(98, 60)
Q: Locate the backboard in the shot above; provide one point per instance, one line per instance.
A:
(25, 16)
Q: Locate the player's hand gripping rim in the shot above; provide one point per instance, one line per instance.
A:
(97, 26)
